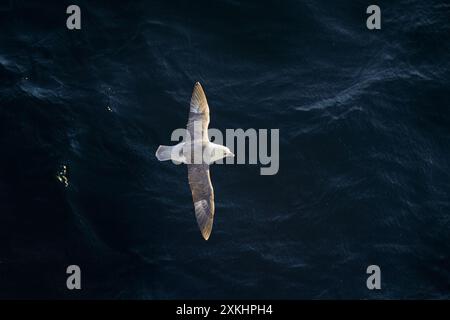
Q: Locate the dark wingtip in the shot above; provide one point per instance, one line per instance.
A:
(206, 234)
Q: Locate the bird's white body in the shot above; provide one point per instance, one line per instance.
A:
(196, 152)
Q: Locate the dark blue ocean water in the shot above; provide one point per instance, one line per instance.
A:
(364, 125)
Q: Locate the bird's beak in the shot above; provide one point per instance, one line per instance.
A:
(232, 154)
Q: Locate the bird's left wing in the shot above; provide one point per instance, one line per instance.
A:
(198, 122)
(203, 197)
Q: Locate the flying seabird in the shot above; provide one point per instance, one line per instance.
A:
(198, 153)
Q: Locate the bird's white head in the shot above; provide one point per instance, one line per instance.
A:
(218, 152)
(228, 153)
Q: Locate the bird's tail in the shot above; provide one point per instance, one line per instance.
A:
(164, 153)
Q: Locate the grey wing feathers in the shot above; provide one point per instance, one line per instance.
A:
(198, 122)
(203, 197)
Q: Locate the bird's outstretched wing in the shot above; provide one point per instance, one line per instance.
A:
(198, 122)
(198, 174)
(203, 197)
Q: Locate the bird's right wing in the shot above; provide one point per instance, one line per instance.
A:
(198, 122)
(203, 197)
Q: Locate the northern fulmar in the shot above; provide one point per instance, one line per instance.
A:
(198, 153)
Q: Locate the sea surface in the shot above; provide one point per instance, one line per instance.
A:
(364, 176)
